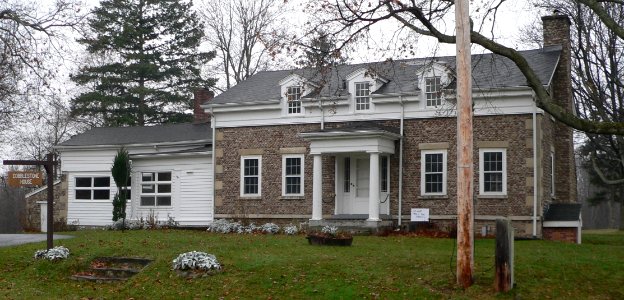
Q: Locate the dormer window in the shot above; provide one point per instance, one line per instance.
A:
(362, 96)
(294, 100)
(433, 91)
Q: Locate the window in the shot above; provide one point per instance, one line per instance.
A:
(492, 171)
(292, 175)
(156, 189)
(347, 175)
(432, 91)
(251, 176)
(92, 188)
(294, 100)
(552, 173)
(433, 172)
(362, 96)
(384, 174)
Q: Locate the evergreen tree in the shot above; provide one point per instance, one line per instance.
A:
(147, 63)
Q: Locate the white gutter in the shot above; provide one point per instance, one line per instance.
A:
(401, 164)
(213, 124)
(322, 114)
(535, 173)
(159, 144)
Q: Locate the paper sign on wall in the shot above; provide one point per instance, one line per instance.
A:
(420, 215)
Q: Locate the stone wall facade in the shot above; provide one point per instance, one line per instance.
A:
(271, 142)
(31, 221)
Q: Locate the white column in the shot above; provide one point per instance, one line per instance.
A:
(317, 188)
(373, 193)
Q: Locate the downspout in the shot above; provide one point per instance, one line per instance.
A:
(535, 173)
(401, 164)
(213, 123)
(322, 114)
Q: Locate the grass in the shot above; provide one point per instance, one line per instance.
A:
(285, 267)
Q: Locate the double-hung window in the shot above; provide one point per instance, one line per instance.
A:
(432, 91)
(493, 171)
(156, 189)
(433, 172)
(92, 188)
(362, 96)
(292, 175)
(294, 100)
(251, 176)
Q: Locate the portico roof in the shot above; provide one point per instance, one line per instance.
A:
(352, 137)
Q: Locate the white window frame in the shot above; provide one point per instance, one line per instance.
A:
(290, 103)
(423, 183)
(552, 174)
(482, 174)
(365, 98)
(242, 175)
(433, 95)
(93, 188)
(156, 182)
(301, 175)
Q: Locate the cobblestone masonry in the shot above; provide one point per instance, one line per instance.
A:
(31, 221)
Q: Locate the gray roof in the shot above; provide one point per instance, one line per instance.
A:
(489, 71)
(563, 212)
(168, 133)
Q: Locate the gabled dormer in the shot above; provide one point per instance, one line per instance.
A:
(432, 79)
(361, 83)
(292, 89)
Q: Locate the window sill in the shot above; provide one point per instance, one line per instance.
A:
(249, 198)
(155, 207)
(292, 198)
(491, 196)
(432, 197)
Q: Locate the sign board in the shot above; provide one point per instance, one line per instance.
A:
(25, 178)
(420, 215)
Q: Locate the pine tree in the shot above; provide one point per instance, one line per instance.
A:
(148, 63)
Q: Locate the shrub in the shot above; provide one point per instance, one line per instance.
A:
(195, 260)
(291, 229)
(270, 228)
(56, 253)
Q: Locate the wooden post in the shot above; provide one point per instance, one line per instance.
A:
(465, 169)
(504, 263)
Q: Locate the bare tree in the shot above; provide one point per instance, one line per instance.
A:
(245, 34)
(29, 36)
(352, 19)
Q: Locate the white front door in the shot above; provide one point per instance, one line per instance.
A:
(352, 185)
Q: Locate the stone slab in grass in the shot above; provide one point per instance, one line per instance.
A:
(111, 269)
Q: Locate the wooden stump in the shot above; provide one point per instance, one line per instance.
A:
(504, 262)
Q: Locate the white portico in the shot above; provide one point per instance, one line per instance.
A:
(362, 170)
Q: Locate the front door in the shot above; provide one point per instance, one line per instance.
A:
(352, 184)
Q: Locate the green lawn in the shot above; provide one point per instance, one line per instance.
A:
(285, 267)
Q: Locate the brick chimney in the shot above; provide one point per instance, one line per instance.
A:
(557, 33)
(201, 96)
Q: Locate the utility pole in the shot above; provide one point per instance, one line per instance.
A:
(465, 169)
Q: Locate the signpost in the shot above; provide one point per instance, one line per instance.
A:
(31, 178)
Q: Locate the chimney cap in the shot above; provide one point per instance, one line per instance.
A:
(557, 17)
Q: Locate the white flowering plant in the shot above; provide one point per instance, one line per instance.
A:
(56, 253)
(291, 229)
(329, 231)
(196, 260)
(270, 228)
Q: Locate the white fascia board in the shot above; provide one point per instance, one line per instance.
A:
(311, 136)
(41, 189)
(561, 224)
(157, 155)
(245, 106)
(115, 147)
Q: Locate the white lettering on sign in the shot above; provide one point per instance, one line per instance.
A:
(26, 175)
(420, 215)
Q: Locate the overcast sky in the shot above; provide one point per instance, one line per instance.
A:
(512, 16)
